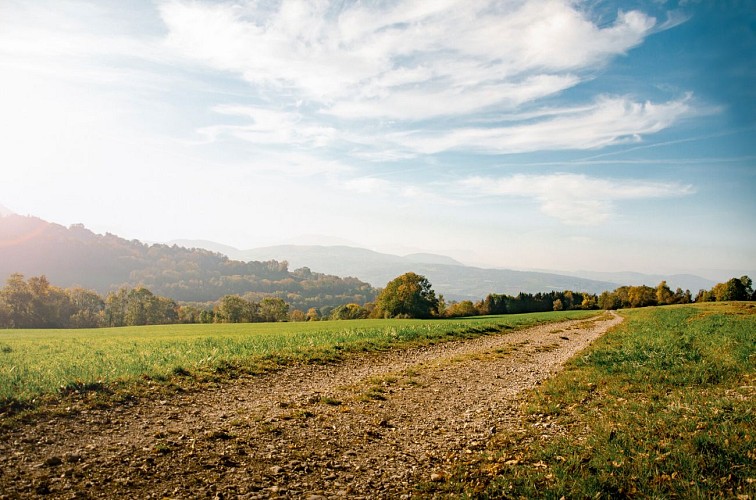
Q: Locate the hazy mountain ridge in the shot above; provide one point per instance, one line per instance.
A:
(199, 270)
(684, 281)
(449, 277)
(76, 256)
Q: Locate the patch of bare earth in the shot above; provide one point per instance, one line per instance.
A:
(373, 426)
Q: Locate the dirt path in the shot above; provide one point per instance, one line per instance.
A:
(374, 426)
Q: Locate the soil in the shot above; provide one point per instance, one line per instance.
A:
(379, 425)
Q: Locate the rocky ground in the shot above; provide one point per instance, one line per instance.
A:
(379, 425)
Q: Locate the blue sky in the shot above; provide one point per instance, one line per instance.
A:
(547, 134)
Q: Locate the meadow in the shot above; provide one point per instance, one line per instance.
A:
(45, 364)
(660, 407)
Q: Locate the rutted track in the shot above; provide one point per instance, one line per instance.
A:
(373, 426)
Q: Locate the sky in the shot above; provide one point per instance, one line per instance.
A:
(524, 134)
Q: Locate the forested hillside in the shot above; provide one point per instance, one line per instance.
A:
(450, 278)
(76, 256)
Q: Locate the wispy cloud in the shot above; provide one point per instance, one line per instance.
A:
(269, 126)
(403, 61)
(574, 198)
(610, 120)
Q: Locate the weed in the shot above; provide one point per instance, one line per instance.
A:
(161, 447)
(330, 401)
(374, 394)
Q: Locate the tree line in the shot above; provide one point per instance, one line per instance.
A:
(411, 295)
(35, 303)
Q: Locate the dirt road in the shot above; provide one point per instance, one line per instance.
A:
(373, 426)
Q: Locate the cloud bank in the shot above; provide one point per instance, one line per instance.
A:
(386, 73)
(574, 199)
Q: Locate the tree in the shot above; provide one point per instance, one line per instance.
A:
(588, 302)
(115, 308)
(273, 309)
(664, 294)
(349, 311)
(297, 315)
(313, 314)
(641, 296)
(733, 289)
(234, 309)
(410, 296)
(461, 309)
(88, 308)
(18, 297)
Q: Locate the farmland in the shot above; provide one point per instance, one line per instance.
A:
(654, 402)
(36, 363)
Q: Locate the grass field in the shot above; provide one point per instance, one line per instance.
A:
(661, 407)
(44, 363)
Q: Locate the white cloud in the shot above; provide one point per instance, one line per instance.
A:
(367, 185)
(270, 127)
(398, 60)
(574, 198)
(610, 120)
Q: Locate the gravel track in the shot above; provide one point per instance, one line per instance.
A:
(373, 426)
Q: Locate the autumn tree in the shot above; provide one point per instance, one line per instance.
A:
(409, 296)
(664, 294)
(313, 314)
(461, 309)
(349, 311)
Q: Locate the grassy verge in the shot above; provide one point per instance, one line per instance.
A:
(661, 407)
(38, 365)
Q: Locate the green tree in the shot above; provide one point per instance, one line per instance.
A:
(641, 296)
(272, 309)
(18, 297)
(115, 307)
(5, 313)
(733, 289)
(409, 295)
(88, 308)
(664, 294)
(138, 307)
(609, 300)
(234, 309)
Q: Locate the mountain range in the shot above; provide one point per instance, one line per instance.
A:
(75, 256)
(198, 270)
(449, 277)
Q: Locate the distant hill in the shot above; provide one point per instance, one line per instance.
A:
(450, 278)
(77, 256)
(202, 271)
(684, 281)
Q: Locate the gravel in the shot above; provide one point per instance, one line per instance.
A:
(376, 425)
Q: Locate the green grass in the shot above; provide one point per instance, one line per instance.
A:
(661, 407)
(38, 364)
